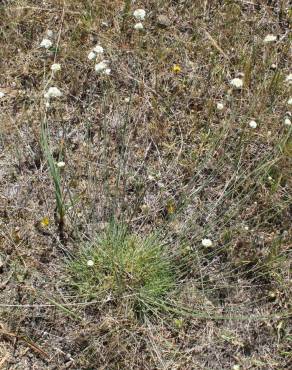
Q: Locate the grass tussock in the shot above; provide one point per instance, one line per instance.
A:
(119, 266)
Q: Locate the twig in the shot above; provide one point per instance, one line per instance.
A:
(30, 344)
(215, 44)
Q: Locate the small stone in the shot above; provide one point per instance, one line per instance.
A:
(163, 21)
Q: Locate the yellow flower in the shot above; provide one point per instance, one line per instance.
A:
(170, 208)
(176, 68)
(45, 222)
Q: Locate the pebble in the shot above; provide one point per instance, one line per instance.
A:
(163, 21)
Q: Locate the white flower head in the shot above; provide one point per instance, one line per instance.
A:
(61, 164)
(289, 78)
(53, 92)
(237, 83)
(46, 43)
(139, 26)
(127, 100)
(107, 71)
(91, 55)
(139, 14)
(98, 49)
(270, 38)
(100, 67)
(220, 106)
(56, 67)
(287, 121)
(252, 124)
(90, 263)
(289, 102)
(2, 94)
(207, 242)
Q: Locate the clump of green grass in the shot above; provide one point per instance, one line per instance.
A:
(123, 267)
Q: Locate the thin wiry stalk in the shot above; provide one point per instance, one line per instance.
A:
(56, 177)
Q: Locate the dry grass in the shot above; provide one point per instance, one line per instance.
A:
(147, 147)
